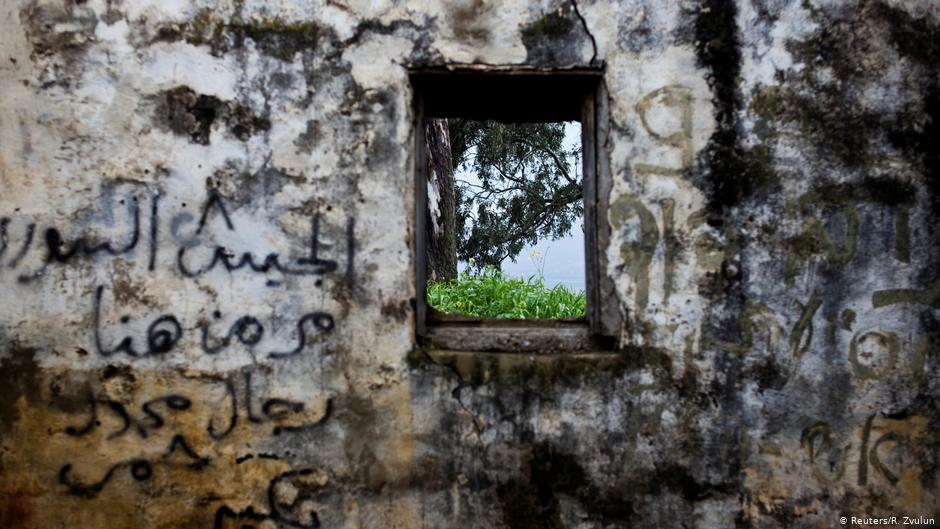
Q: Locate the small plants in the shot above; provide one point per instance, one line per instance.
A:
(487, 293)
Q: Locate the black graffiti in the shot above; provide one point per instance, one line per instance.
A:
(233, 416)
(350, 252)
(215, 199)
(249, 410)
(863, 461)
(876, 463)
(312, 258)
(281, 408)
(275, 514)
(320, 320)
(261, 455)
(179, 445)
(4, 238)
(140, 469)
(27, 240)
(826, 454)
(311, 264)
(154, 231)
(156, 420)
(327, 413)
(249, 331)
(820, 439)
(152, 420)
(153, 412)
(60, 251)
(272, 410)
(166, 331)
(162, 340)
(193, 258)
(163, 334)
(93, 421)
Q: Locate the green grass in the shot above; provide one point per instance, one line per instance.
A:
(490, 294)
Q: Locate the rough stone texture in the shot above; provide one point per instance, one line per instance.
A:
(206, 269)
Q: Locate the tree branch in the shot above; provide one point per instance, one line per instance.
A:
(558, 162)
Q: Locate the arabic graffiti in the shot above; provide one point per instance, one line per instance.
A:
(298, 513)
(110, 235)
(165, 332)
(169, 418)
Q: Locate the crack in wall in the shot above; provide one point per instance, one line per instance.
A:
(590, 35)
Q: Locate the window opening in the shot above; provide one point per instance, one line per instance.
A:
(505, 217)
(477, 129)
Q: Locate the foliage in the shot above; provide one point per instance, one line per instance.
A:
(526, 191)
(490, 294)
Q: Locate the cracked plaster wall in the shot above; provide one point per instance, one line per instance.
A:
(205, 211)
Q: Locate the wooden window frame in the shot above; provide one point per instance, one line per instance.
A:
(520, 94)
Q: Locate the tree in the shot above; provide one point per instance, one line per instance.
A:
(440, 225)
(528, 187)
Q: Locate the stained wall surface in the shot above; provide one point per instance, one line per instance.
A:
(207, 274)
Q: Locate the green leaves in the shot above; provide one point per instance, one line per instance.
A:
(528, 190)
(490, 294)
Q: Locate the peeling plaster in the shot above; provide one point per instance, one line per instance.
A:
(207, 306)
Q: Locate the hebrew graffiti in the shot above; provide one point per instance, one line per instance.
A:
(760, 330)
(801, 336)
(639, 245)
(929, 296)
(825, 452)
(873, 353)
(671, 246)
(886, 450)
(831, 220)
(671, 104)
(814, 241)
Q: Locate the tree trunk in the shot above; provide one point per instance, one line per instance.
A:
(442, 213)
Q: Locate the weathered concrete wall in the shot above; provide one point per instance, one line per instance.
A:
(206, 270)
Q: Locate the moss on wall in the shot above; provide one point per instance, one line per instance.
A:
(206, 232)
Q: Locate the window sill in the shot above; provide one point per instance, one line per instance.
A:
(459, 333)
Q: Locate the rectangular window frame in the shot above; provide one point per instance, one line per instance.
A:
(522, 94)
